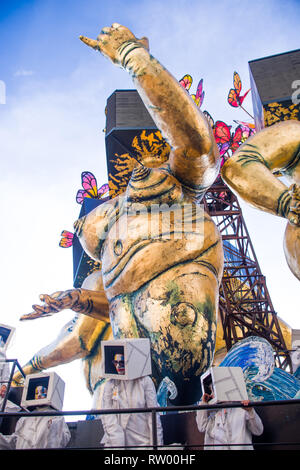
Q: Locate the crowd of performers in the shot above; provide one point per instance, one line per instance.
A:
(224, 428)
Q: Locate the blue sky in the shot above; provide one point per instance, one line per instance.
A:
(51, 130)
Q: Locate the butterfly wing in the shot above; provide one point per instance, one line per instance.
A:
(222, 135)
(199, 96)
(209, 119)
(246, 124)
(67, 239)
(237, 83)
(233, 98)
(241, 98)
(103, 190)
(186, 82)
(222, 132)
(81, 194)
(236, 139)
(89, 184)
(223, 148)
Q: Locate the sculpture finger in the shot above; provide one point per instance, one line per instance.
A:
(43, 309)
(36, 314)
(39, 311)
(105, 30)
(145, 42)
(54, 295)
(54, 304)
(89, 42)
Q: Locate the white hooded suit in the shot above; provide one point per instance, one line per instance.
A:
(229, 426)
(129, 429)
(37, 432)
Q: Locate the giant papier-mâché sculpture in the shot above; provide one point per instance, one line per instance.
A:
(161, 283)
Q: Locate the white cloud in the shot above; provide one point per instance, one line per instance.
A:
(23, 73)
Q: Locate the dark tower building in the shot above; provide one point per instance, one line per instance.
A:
(275, 86)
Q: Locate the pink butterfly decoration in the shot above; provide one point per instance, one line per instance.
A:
(186, 82)
(90, 188)
(199, 96)
(67, 239)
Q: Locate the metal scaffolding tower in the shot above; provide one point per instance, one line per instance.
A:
(245, 305)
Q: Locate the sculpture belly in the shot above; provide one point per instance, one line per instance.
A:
(138, 250)
(166, 289)
(177, 312)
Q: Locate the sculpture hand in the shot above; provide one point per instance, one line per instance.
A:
(53, 303)
(111, 39)
(18, 379)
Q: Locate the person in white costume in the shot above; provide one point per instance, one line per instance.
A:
(228, 428)
(4, 379)
(129, 429)
(37, 432)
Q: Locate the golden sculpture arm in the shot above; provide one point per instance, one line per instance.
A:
(77, 338)
(65, 348)
(194, 159)
(89, 302)
(251, 171)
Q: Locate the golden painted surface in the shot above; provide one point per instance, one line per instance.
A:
(252, 174)
(161, 256)
(165, 289)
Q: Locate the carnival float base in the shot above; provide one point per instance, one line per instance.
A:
(281, 430)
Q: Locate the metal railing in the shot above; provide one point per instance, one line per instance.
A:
(155, 410)
(9, 381)
(152, 410)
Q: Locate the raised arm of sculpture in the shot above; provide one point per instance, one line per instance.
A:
(194, 158)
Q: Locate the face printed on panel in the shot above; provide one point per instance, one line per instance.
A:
(119, 363)
(40, 392)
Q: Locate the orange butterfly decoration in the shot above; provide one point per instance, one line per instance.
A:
(226, 139)
(235, 98)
